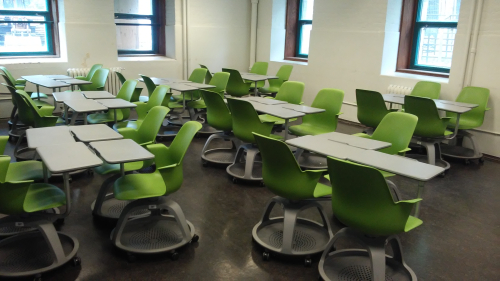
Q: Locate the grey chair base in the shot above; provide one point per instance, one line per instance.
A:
(433, 148)
(220, 155)
(6, 231)
(246, 168)
(372, 263)
(309, 160)
(156, 233)
(290, 235)
(455, 149)
(36, 252)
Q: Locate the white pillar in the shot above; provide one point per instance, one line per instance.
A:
(185, 63)
(253, 33)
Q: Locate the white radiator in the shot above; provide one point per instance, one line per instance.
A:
(398, 90)
(112, 83)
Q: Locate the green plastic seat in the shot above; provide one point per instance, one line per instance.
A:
(91, 73)
(236, 86)
(474, 118)
(219, 80)
(208, 76)
(21, 171)
(430, 124)
(150, 86)
(371, 108)
(291, 92)
(98, 81)
(20, 87)
(142, 109)
(259, 67)
(19, 84)
(325, 122)
(274, 84)
(365, 205)
(426, 89)
(137, 91)
(197, 76)
(125, 93)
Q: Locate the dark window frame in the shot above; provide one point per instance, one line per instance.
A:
(293, 31)
(51, 30)
(158, 23)
(409, 41)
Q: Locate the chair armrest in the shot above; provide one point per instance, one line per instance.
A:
(488, 108)
(160, 152)
(404, 150)
(128, 133)
(411, 201)
(167, 167)
(340, 113)
(144, 144)
(361, 135)
(445, 118)
(45, 111)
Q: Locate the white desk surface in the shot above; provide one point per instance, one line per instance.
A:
(98, 95)
(266, 101)
(65, 96)
(356, 141)
(324, 146)
(68, 157)
(257, 77)
(58, 77)
(97, 132)
(116, 103)
(446, 105)
(39, 137)
(74, 81)
(85, 105)
(165, 81)
(303, 108)
(277, 111)
(44, 81)
(199, 85)
(121, 151)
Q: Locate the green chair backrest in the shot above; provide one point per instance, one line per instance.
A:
(40, 119)
(4, 167)
(12, 194)
(208, 76)
(246, 121)
(8, 74)
(396, 128)
(121, 77)
(331, 101)
(283, 75)
(281, 172)
(219, 80)
(291, 92)
(92, 71)
(24, 112)
(430, 124)
(151, 125)
(236, 86)
(371, 107)
(98, 81)
(361, 199)
(218, 114)
(12, 89)
(180, 144)
(260, 67)
(475, 117)
(198, 75)
(150, 85)
(125, 93)
(3, 144)
(426, 89)
(158, 96)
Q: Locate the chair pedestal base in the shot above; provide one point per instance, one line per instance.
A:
(6, 231)
(455, 149)
(246, 168)
(310, 161)
(220, 155)
(371, 264)
(290, 235)
(433, 148)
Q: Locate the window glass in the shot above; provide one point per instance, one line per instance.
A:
(24, 5)
(306, 9)
(305, 35)
(134, 38)
(439, 10)
(436, 46)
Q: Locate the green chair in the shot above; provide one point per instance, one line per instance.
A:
(137, 91)
(259, 67)
(236, 86)
(197, 76)
(98, 81)
(208, 76)
(150, 191)
(245, 123)
(296, 191)
(371, 108)
(291, 92)
(469, 120)
(26, 204)
(150, 86)
(426, 89)
(274, 84)
(196, 108)
(431, 128)
(125, 93)
(365, 205)
(219, 117)
(142, 109)
(21, 171)
(19, 84)
(106, 205)
(12, 84)
(91, 73)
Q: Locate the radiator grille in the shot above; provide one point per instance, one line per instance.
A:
(112, 83)
(398, 90)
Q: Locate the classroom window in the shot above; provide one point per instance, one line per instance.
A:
(140, 27)
(28, 28)
(428, 29)
(298, 29)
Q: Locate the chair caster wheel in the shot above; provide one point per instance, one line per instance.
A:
(131, 257)
(77, 261)
(481, 160)
(442, 174)
(174, 256)
(467, 162)
(204, 163)
(90, 172)
(266, 256)
(37, 278)
(307, 262)
(59, 221)
(261, 184)
(235, 180)
(195, 238)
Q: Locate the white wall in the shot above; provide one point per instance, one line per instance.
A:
(347, 46)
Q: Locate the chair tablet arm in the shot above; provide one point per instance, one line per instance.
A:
(45, 111)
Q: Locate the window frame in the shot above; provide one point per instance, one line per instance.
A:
(293, 31)
(52, 32)
(158, 22)
(409, 41)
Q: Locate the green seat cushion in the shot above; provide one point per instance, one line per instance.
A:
(98, 118)
(276, 120)
(40, 103)
(322, 190)
(178, 98)
(20, 81)
(198, 104)
(128, 124)
(25, 170)
(308, 129)
(447, 133)
(412, 222)
(42, 196)
(42, 96)
(173, 105)
(144, 99)
(107, 168)
(270, 90)
(137, 186)
(20, 87)
(278, 137)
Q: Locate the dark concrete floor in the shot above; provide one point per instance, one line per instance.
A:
(459, 240)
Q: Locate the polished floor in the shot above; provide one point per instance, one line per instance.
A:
(459, 240)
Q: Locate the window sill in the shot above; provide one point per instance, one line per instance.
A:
(424, 73)
(287, 60)
(144, 58)
(31, 60)
(417, 75)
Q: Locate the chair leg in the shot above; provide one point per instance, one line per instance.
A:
(251, 153)
(394, 188)
(52, 238)
(289, 220)
(16, 148)
(475, 145)
(298, 153)
(431, 152)
(377, 256)
(175, 210)
(209, 140)
(103, 191)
